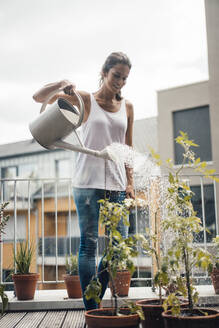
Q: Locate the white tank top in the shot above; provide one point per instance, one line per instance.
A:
(101, 129)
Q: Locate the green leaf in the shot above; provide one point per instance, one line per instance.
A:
(93, 290)
(4, 298)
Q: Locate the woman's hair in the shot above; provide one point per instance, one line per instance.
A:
(113, 59)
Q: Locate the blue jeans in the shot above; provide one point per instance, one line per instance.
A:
(87, 206)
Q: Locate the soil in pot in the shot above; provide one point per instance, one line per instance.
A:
(73, 286)
(104, 318)
(25, 285)
(122, 283)
(215, 280)
(196, 320)
(153, 312)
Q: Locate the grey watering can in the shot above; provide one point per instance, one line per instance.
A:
(56, 123)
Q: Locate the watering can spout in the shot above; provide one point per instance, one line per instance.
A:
(65, 145)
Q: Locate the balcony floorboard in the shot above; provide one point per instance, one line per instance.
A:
(43, 319)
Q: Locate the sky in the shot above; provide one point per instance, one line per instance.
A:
(50, 40)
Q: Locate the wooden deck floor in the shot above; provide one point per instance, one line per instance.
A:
(43, 319)
(46, 319)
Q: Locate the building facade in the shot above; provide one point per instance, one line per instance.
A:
(193, 109)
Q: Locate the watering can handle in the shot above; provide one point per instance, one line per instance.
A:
(80, 100)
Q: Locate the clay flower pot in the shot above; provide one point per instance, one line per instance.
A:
(103, 318)
(153, 312)
(215, 280)
(198, 320)
(25, 285)
(73, 286)
(122, 283)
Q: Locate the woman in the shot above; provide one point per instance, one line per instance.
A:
(108, 118)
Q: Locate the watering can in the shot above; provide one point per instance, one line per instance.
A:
(60, 120)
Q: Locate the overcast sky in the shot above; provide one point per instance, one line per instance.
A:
(48, 40)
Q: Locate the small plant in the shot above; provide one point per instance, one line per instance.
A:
(182, 222)
(3, 219)
(71, 278)
(4, 298)
(71, 264)
(23, 258)
(3, 222)
(118, 253)
(150, 245)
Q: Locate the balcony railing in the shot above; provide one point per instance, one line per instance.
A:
(42, 212)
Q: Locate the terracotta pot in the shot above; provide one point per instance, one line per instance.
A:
(153, 312)
(73, 286)
(215, 280)
(101, 318)
(122, 283)
(209, 321)
(25, 285)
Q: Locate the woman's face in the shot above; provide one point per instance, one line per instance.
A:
(116, 78)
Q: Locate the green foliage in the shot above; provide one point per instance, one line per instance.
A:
(134, 308)
(4, 298)
(172, 301)
(150, 244)
(71, 264)
(3, 218)
(93, 290)
(182, 222)
(3, 222)
(23, 258)
(119, 251)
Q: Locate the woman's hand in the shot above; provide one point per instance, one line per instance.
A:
(130, 192)
(68, 87)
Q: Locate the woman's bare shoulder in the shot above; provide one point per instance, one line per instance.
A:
(84, 94)
(129, 107)
(128, 103)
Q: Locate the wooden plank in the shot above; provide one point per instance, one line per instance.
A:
(74, 319)
(53, 319)
(11, 319)
(32, 320)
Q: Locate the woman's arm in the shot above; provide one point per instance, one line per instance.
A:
(42, 94)
(67, 93)
(128, 140)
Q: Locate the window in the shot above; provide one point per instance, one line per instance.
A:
(9, 172)
(196, 123)
(21, 228)
(12, 172)
(209, 206)
(23, 170)
(27, 170)
(75, 232)
(7, 277)
(63, 168)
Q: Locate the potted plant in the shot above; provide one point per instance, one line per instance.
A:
(122, 282)
(153, 307)
(71, 277)
(182, 221)
(3, 222)
(24, 281)
(214, 266)
(118, 252)
(151, 245)
(123, 276)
